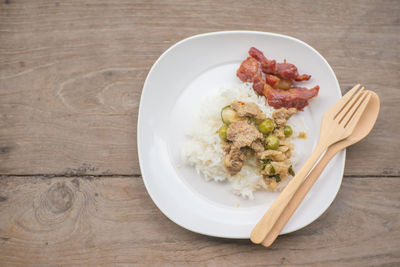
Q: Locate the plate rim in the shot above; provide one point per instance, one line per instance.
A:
(140, 112)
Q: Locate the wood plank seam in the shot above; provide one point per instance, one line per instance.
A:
(72, 176)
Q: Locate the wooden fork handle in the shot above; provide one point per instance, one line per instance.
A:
(299, 196)
(264, 226)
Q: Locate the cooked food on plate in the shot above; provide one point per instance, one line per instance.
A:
(252, 134)
(275, 81)
(244, 133)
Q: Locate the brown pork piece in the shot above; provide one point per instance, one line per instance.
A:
(233, 161)
(294, 97)
(274, 81)
(267, 66)
(250, 71)
(284, 70)
(257, 146)
(249, 68)
(226, 147)
(249, 109)
(242, 134)
(281, 115)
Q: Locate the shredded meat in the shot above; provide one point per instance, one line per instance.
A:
(226, 147)
(272, 154)
(277, 167)
(281, 115)
(287, 143)
(242, 134)
(233, 161)
(280, 133)
(270, 182)
(266, 170)
(248, 110)
(295, 97)
(283, 149)
(257, 146)
(243, 138)
(281, 168)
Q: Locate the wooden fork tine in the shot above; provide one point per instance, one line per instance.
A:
(351, 92)
(353, 108)
(342, 102)
(356, 113)
(348, 106)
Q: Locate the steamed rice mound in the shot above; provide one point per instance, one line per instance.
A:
(204, 149)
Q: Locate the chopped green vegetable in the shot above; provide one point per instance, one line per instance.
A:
(266, 126)
(264, 163)
(228, 115)
(222, 132)
(251, 121)
(271, 142)
(271, 170)
(291, 172)
(276, 176)
(287, 130)
(266, 160)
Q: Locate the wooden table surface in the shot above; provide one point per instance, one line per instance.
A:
(71, 75)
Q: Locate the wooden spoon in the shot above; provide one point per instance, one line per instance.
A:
(364, 126)
(337, 124)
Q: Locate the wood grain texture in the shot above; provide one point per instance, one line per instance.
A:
(71, 73)
(103, 221)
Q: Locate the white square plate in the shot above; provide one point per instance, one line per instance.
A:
(173, 92)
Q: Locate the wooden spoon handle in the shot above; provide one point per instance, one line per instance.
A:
(269, 219)
(300, 194)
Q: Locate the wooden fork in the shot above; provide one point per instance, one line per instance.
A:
(337, 123)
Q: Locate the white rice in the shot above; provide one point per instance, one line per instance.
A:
(204, 150)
